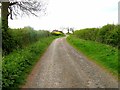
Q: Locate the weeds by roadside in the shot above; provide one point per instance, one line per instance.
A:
(102, 54)
(17, 65)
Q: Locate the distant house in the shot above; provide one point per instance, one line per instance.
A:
(61, 32)
(57, 32)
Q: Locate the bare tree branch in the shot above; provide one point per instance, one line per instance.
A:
(12, 3)
(26, 7)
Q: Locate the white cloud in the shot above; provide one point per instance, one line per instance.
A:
(73, 13)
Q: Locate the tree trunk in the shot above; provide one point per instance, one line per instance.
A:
(4, 15)
(73, 31)
(68, 30)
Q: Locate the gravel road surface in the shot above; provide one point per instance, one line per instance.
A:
(62, 66)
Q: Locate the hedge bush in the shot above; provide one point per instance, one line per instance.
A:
(17, 65)
(14, 39)
(108, 34)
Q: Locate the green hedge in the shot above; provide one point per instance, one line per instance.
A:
(108, 34)
(104, 55)
(18, 38)
(17, 65)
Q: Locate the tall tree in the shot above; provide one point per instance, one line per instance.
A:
(72, 29)
(13, 8)
(68, 30)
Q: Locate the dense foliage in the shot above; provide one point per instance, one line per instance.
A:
(104, 55)
(17, 65)
(22, 48)
(14, 39)
(108, 34)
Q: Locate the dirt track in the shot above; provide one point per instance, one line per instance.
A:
(63, 67)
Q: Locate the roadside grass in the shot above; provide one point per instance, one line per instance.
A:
(0, 67)
(17, 65)
(102, 54)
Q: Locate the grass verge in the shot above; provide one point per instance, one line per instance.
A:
(104, 55)
(17, 65)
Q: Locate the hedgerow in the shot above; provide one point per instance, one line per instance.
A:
(17, 65)
(104, 55)
(14, 39)
(108, 34)
(21, 49)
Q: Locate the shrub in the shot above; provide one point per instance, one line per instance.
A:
(14, 39)
(108, 34)
(17, 65)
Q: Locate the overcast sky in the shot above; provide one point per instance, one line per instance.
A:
(72, 13)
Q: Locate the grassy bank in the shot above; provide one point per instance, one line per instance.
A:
(107, 34)
(14, 39)
(18, 64)
(102, 54)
